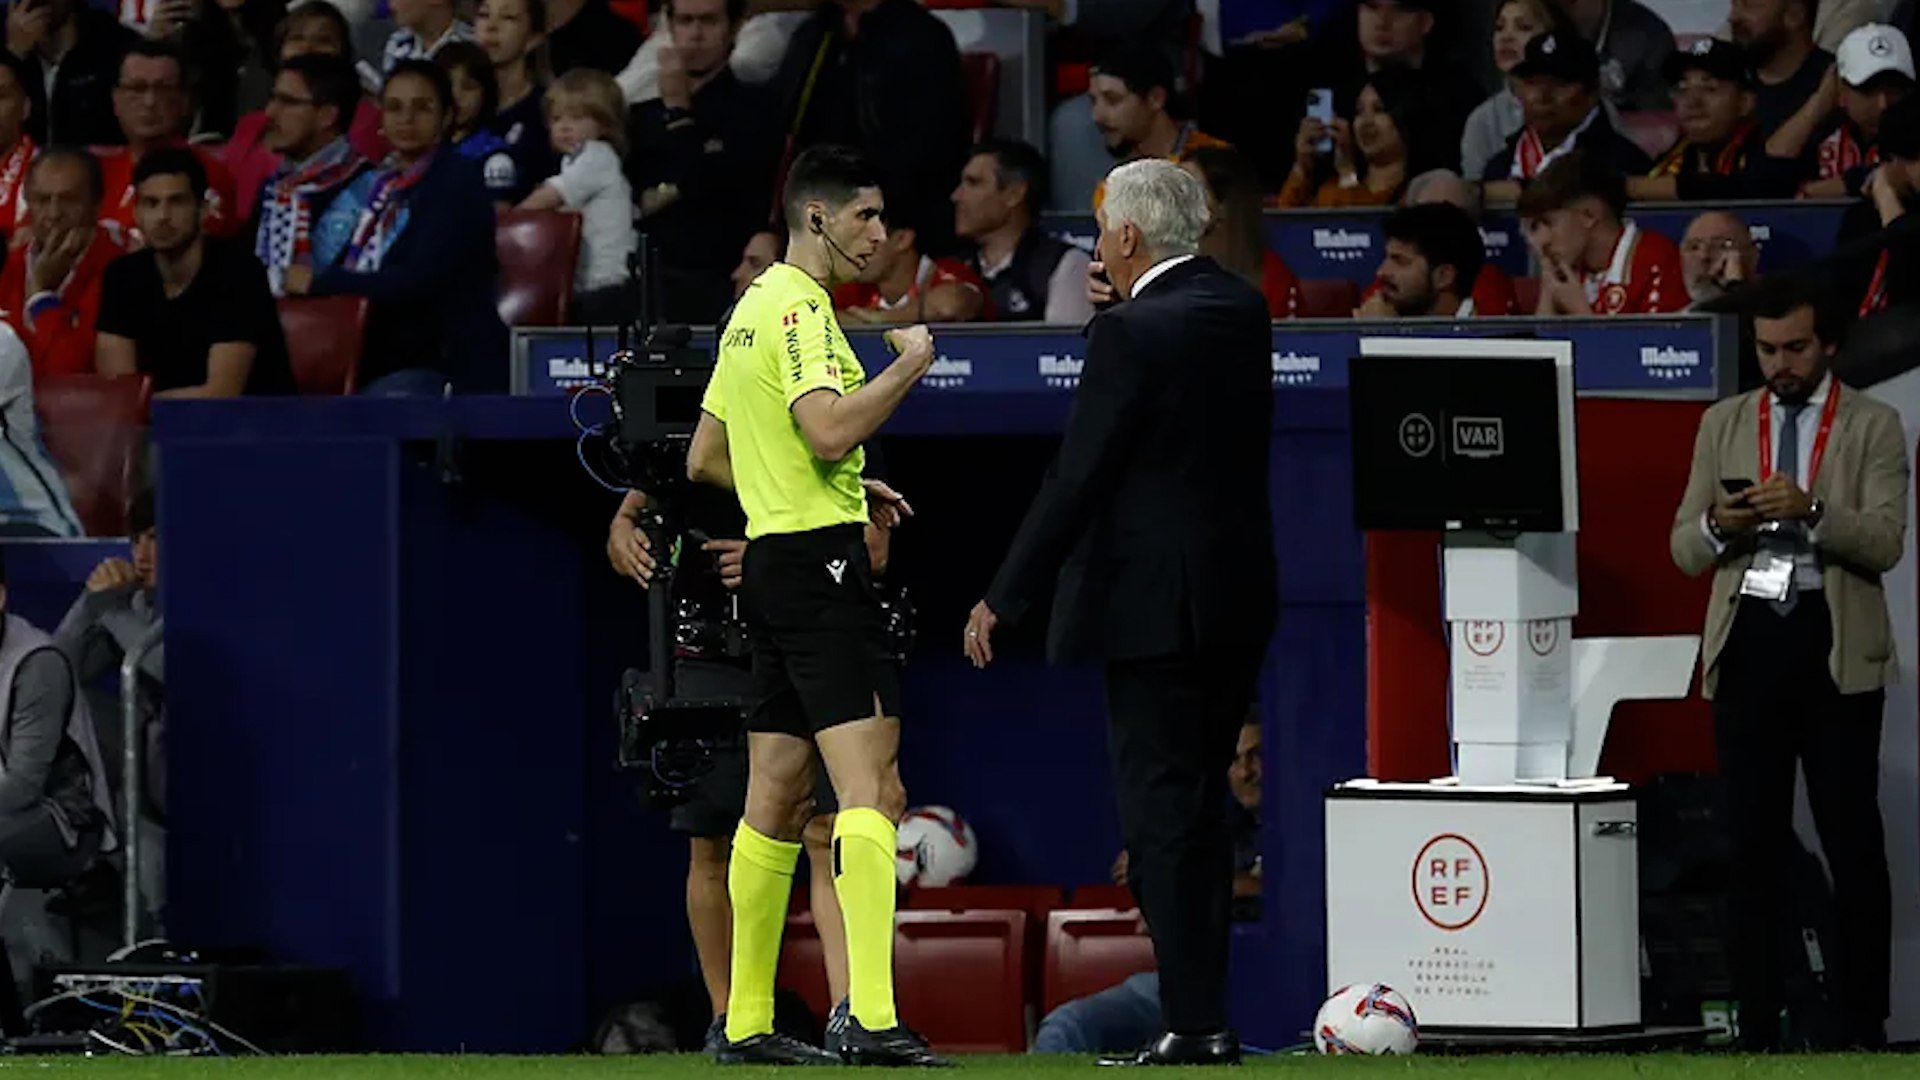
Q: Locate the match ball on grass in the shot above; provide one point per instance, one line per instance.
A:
(936, 847)
(1368, 1018)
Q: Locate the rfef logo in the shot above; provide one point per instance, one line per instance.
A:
(1484, 636)
(1450, 882)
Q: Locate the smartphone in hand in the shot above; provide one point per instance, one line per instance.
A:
(1320, 107)
(1735, 487)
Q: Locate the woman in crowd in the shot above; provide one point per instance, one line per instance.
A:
(476, 99)
(312, 27)
(514, 33)
(423, 253)
(1236, 236)
(1393, 136)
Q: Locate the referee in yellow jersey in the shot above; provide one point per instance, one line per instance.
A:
(782, 423)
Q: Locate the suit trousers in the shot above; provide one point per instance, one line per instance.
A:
(1776, 706)
(1172, 725)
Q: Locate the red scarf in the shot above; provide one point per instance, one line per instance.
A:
(13, 185)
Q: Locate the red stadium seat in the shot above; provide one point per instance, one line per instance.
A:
(1037, 901)
(92, 426)
(634, 11)
(1103, 896)
(538, 250)
(324, 337)
(1526, 295)
(961, 978)
(982, 71)
(1070, 78)
(1653, 132)
(1089, 951)
(1327, 298)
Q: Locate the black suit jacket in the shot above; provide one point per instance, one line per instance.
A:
(1154, 515)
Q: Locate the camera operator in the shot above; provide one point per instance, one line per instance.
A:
(712, 663)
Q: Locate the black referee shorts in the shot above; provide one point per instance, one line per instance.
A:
(819, 635)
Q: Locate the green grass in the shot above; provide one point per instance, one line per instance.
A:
(688, 1067)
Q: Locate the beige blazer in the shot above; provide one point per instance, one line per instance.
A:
(1863, 485)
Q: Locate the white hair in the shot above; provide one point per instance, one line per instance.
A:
(1441, 185)
(1164, 201)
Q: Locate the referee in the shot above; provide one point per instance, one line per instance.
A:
(782, 424)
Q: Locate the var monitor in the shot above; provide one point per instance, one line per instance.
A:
(1469, 435)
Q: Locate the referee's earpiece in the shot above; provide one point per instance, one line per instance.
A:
(819, 224)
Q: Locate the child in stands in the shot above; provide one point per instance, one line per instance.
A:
(586, 115)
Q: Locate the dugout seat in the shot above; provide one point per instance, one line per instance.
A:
(538, 250)
(959, 976)
(93, 427)
(1036, 901)
(1526, 295)
(1103, 896)
(325, 335)
(982, 73)
(1090, 950)
(1328, 298)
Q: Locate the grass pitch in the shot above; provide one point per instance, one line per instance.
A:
(690, 1067)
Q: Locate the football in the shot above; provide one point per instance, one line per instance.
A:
(1366, 1019)
(936, 846)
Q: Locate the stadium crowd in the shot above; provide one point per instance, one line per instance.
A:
(180, 179)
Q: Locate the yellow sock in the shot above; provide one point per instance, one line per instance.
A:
(863, 878)
(759, 880)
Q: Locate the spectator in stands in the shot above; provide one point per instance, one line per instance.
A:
(215, 42)
(16, 146)
(423, 253)
(1392, 137)
(1631, 44)
(476, 100)
(50, 288)
(1500, 117)
(1720, 154)
(314, 26)
(514, 34)
(1493, 291)
(587, 34)
(312, 203)
(1400, 34)
(1835, 19)
(1778, 37)
(151, 103)
(1126, 1017)
(704, 154)
(72, 54)
(1593, 259)
(1433, 258)
(1133, 94)
(1879, 249)
(762, 250)
(1797, 648)
(901, 284)
(1236, 235)
(587, 114)
(56, 810)
(1873, 69)
(424, 27)
(33, 497)
(191, 312)
(1718, 255)
(1030, 275)
(1559, 87)
(890, 85)
(117, 610)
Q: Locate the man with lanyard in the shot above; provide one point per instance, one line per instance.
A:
(782, 425)
(1593, 259)
(1797, 647)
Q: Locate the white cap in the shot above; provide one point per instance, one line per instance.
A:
(1873, 49)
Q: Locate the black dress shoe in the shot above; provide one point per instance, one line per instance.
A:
(771, 1048)
(1219, 1048)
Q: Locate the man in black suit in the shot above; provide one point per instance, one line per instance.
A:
(1154, 518)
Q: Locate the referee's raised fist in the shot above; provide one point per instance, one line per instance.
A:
(915, 346)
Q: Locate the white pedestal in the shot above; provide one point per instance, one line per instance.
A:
(1511, 908)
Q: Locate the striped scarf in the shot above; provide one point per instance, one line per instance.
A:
(286, 206)
(380, 222)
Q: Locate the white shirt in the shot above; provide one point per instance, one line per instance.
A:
(1067, 303)
(1155, 271)
(592, 183)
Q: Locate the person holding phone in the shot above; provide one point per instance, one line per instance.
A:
(72, 55)
(1797, 504)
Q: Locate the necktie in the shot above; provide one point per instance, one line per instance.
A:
(1788, 461)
